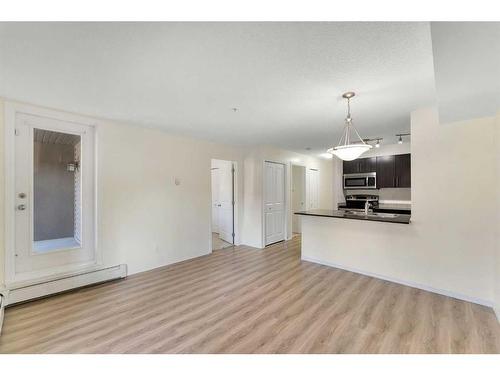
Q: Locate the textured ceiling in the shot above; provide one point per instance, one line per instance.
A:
(56, 138)
(467, 69)
(285, 79)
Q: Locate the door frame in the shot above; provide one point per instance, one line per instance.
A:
(237, 239)
(304, 190)
(286, 193)
(11, 110)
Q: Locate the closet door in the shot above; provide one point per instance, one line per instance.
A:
(313, 189)
(274, 202)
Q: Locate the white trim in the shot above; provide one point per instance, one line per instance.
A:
(11, 109)
(427, 288)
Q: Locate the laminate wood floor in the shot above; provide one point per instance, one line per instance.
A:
(243, 300)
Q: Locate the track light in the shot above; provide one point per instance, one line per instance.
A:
(401, 135)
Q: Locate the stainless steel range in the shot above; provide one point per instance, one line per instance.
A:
(358, 202)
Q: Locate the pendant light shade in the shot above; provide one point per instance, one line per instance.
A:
(349, 152)
(346, 150)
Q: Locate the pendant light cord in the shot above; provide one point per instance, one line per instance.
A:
(346, 135)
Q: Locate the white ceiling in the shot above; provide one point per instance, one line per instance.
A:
(286, 79)
(467, 69)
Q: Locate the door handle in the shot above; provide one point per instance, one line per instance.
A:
(21, 207)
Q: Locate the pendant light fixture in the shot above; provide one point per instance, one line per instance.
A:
(346, 150)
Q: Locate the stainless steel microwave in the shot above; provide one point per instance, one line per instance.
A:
(360, 181)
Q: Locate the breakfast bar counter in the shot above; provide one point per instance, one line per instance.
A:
(358, 215)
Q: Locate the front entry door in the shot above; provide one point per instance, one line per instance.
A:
(274, 202)
(53, 225)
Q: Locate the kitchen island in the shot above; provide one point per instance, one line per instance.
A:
(373, 245)
(359, 215)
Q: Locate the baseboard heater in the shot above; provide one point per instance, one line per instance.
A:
(42, 289)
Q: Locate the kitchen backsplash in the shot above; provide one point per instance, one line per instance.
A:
(389, 194)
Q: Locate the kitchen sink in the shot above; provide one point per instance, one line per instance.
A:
(372, 214)
(383, 214)
(357, 213)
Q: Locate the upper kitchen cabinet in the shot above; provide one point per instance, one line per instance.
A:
(350, 166)
(367, 165)
(386, 172)
(403, 170)
(394, 171)
(363, 165)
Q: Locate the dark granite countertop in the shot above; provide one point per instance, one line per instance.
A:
(398, 219)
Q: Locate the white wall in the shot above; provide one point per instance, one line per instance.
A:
(451, 242)
(497, 270)
(144, 219)
(253, 230)
(2, 194)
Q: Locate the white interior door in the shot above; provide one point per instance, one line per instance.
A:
(274, 202)
(225, 214)
(53, 225)
(215, 199)
(313, 189)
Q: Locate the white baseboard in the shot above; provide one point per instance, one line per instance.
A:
(43, 289)
(427, 288)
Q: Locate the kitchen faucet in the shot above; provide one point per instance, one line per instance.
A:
(367, 207)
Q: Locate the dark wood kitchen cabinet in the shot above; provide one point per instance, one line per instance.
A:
(366, 165)
(402, 169)
(350, 167)
(394, 171)
(363, 165)
(386, 172)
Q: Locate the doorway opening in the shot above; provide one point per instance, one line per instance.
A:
(298, 196)
(223, 203)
